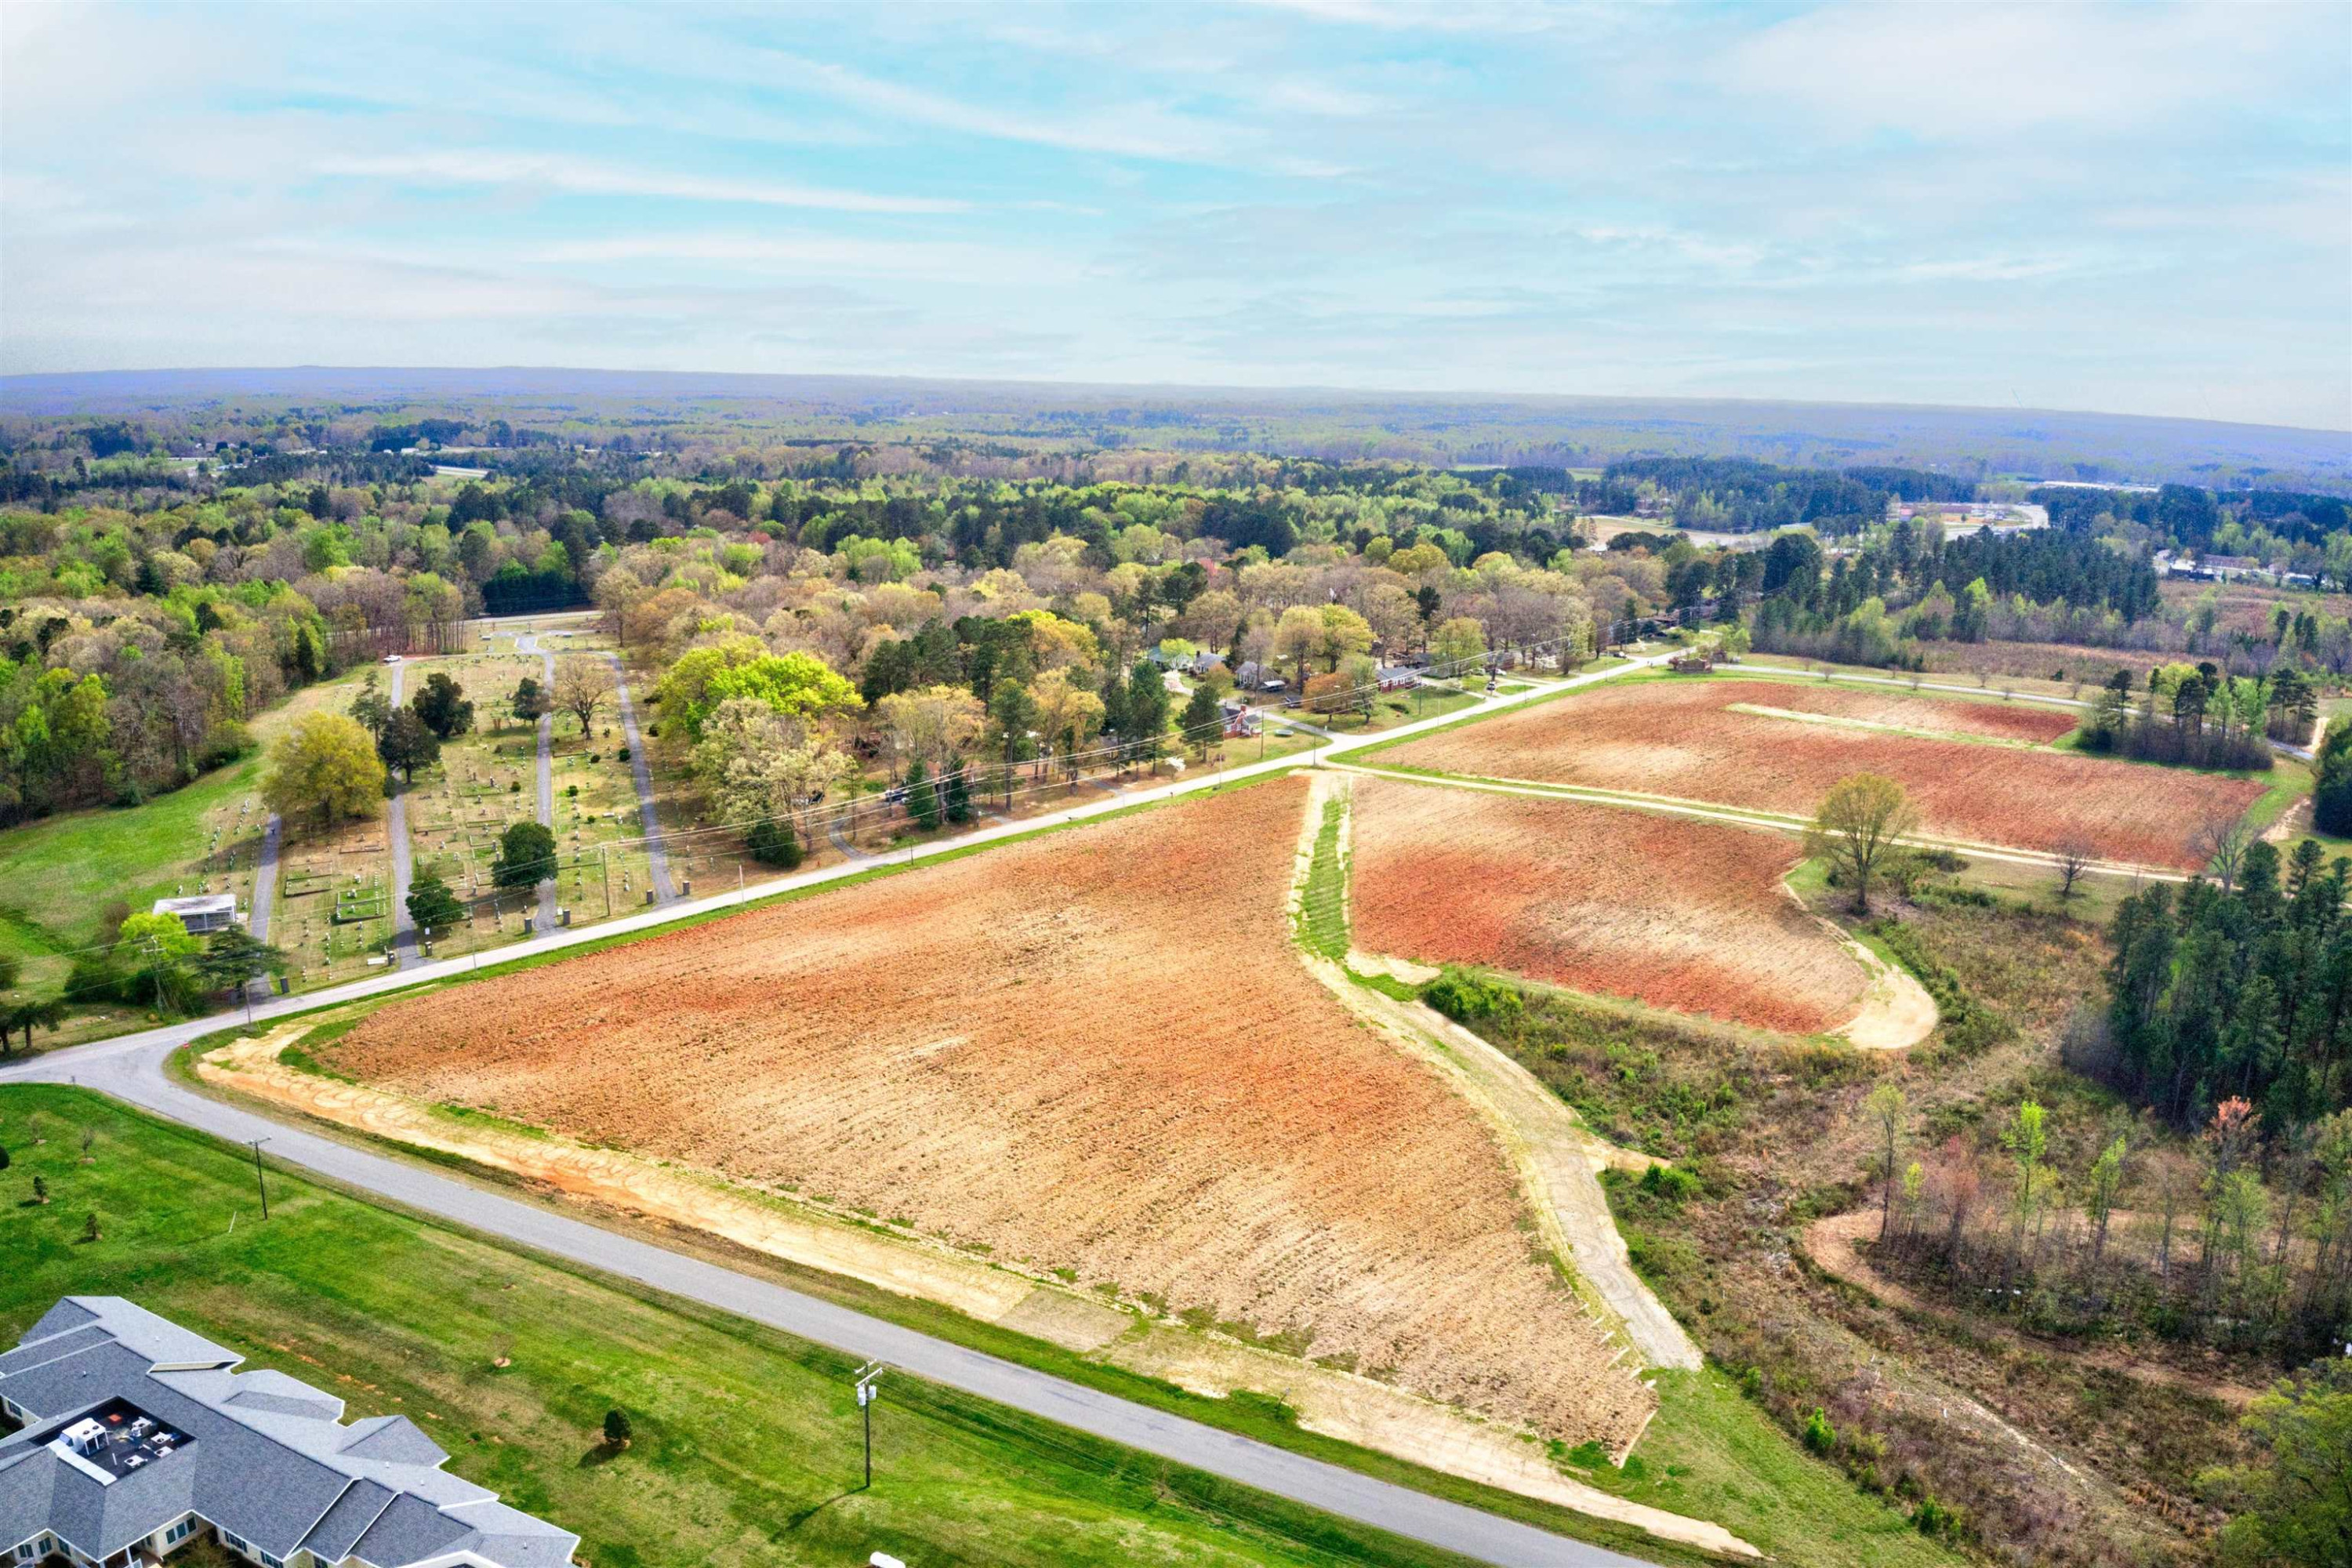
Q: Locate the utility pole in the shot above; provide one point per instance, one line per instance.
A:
(257, 1179)
(867, 1376)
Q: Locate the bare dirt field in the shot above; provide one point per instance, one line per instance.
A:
(1679, 914)
(1894, 710)
(1680, 740)
(1097, 1053)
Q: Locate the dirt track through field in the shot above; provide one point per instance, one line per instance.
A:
(1831, 1244)
(1678, 740)
(1095, 1053)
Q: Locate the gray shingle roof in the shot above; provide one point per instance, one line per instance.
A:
(332, 1538)
(267, 1456)
(394, 1439)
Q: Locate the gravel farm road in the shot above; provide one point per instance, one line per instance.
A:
(131, 1068)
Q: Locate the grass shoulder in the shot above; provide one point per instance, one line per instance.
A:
(510, 1360)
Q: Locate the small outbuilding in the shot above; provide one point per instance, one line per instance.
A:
(205, 912)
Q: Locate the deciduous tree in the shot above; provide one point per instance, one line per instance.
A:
(526, 857)
(326, 768)
(584, 684)
(1860, 819)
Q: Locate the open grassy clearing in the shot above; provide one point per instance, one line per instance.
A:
(1677, 740)
(59, 876)
(747, 1440)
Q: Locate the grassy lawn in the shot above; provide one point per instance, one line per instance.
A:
(58, 875)
(1323, 902)
(747, 1441)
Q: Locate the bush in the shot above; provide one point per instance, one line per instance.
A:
(772, 843)
(1819, 1435)
(622, 754)
(1466, 999)
(224, 744)
(1671, 1184)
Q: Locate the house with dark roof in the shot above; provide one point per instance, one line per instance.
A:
(135, 1436)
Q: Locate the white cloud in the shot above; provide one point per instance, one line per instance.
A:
(583, 176)
(1966, 71)
(942, 260)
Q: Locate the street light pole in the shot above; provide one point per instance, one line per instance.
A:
(257, 1180)
(867, 1376)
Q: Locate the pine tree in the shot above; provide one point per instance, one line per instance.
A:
(1147, 712)
(922, 799)
(432, 905)
(958, 793)
(1203, 719)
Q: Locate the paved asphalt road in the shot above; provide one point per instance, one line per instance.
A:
(131, 1069)
(265, 898)
(404, 866)
(546, 770)
(656, 858)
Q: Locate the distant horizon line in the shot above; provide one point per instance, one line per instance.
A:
(1364, 393)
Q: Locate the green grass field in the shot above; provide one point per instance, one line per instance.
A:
(746, 1445)
(59, 873)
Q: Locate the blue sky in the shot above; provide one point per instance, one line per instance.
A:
(2134, 209)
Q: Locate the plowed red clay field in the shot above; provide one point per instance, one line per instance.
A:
(1097, 1052)
(2031, 721)
(1679, 739)
(1680, 914)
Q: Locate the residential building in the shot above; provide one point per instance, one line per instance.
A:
(138, 1436)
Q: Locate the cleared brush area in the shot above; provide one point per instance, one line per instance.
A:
(1679, 914)
(1681, 740)
(1095, 1053)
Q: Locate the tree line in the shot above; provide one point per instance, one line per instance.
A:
(2238, 987)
